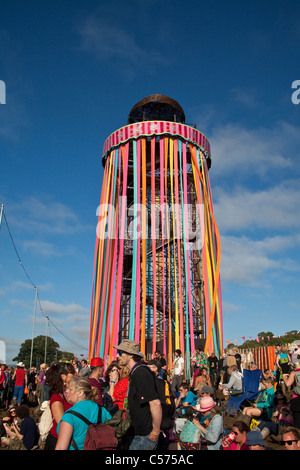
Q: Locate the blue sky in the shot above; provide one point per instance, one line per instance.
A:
(73, 71)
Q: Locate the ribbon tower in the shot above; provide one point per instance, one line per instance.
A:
(157, 255)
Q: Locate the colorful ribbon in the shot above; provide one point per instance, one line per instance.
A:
(152, 283)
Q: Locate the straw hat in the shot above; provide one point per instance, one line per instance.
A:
(130, 347)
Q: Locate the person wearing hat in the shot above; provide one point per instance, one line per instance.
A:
(210, 424)
(206, 391)
(20, 378)
(143, 400)
(97, 366)
(255, 441)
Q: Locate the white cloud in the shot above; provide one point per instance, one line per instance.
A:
(41, 248)
(54, 308)
(273, 208)
(246, 261)
(237, 151)
(21, 304)
(20, 285)
(107, 41)
(247, 97)
(111, 42)
(81, 332)
(231, 308)
(42, 215)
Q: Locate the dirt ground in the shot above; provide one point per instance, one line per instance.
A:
(228, 420)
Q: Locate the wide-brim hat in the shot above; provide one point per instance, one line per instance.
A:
(129, 347)
(96, 362)
(20, 364)
(254, 438)
(207, 403)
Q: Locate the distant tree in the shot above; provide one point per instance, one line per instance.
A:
(268, 339)
(68, 356)
(38, 353)
(291, 336)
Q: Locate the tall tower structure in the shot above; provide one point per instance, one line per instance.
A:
(157, 253)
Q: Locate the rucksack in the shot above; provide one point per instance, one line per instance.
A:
(167, 400)
(190, 433)
(46, 420)
(98, 436)
(297, 383)
(120, 422)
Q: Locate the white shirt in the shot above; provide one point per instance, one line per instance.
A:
(178, 364)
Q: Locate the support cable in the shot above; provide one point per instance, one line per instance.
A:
(35, 287)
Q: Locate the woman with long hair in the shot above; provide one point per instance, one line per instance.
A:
(210, 424)
(58, 378)
(119, 386)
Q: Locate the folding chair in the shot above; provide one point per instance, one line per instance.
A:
(251, 391)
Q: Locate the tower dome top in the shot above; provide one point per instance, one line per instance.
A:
(157, 108)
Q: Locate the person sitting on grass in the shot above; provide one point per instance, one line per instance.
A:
(264, 407)
(24, 436)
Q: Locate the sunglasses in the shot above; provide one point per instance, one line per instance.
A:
(289, 443)
(121, 352)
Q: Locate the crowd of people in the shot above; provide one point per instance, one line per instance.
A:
(164, 407)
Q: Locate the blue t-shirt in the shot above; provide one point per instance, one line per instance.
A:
(191, 399)
(89, 409)
(267, 401)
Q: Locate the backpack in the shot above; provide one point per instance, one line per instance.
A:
(120, 422)
(98, 436)
(167, 400)
(297, 384)
(46, 420)
(190, 433)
